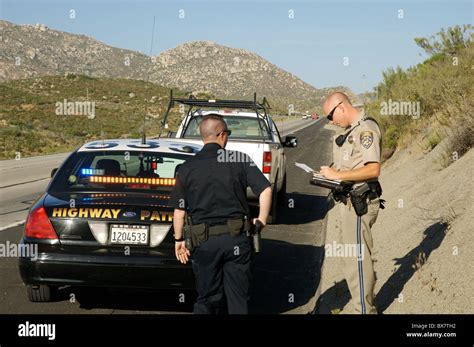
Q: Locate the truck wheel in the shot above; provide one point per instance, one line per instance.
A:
(40, 293)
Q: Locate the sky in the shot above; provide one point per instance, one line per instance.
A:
(325, 43)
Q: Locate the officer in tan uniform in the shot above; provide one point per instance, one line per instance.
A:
(356, 155)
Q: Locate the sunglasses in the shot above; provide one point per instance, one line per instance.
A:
(227, 131)
(330, 114)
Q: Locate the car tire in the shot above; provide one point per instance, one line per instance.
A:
(40, 293)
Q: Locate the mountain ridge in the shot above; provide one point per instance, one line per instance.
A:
(200, 66)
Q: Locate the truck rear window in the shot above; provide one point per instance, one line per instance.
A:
(242, 128)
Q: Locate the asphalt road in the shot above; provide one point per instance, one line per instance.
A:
(286, 273)
(21, 181)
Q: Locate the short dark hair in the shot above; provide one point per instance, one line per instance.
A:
(213, 116)
(209, 132)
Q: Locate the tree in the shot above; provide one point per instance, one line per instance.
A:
(390, 78)
(448, 41)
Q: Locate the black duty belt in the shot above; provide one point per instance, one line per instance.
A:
(371, 191)
(218, 229)
(370, 196)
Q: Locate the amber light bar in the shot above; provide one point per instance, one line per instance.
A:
(125, 180)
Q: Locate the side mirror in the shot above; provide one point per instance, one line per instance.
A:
(291, 141)
(53, 171)
(172, 134)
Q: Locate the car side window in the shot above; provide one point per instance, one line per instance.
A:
(192, 128)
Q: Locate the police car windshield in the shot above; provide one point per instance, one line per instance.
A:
(118, 171)
(242, 128)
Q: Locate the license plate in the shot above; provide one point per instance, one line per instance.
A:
(123, 234)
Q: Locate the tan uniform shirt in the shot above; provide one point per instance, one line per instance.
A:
(361, 146)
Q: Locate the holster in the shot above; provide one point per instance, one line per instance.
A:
(359, 196)
(359, 202)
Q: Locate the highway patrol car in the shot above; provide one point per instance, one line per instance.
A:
(104, 220)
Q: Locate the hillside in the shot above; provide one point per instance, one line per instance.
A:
(33, 123)
(440, 90)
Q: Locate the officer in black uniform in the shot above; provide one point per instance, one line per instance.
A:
(211, 188)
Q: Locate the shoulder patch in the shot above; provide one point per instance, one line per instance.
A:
(366, 139)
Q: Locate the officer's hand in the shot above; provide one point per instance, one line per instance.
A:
(329, 172)
(261, 221)
(182, 253)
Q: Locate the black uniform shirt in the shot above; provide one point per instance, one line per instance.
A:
(212, 185)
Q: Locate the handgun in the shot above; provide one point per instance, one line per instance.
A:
(257, 237)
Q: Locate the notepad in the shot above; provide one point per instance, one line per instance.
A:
(319, 180)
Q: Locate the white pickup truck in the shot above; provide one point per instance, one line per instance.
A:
(253, 133)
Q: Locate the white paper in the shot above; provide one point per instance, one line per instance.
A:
(316, 174)
(304, 167)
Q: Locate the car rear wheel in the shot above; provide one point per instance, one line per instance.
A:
(40, 292)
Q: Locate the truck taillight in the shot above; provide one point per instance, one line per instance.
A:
(38, 225)
(267, 162)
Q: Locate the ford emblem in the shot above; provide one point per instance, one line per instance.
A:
(129, 214)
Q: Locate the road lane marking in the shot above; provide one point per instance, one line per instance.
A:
(12, 225)
(17, 184)
(298, 129)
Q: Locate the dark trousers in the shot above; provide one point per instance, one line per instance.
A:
(221, 267)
